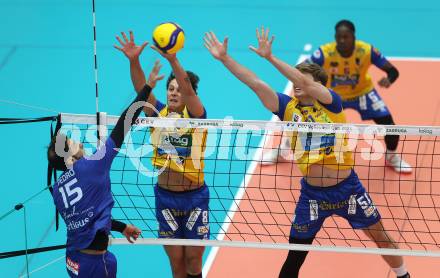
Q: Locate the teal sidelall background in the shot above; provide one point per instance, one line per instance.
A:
(46, 61)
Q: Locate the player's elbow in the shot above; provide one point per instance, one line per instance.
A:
(257, 85)
(267, 97)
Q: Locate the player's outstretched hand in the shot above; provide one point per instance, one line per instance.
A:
(169, 57)
(131, 233)
(264, 44)
(154, 74)
(129, 47)
(384, 82)
(217, 49)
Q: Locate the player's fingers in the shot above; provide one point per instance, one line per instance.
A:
(213, 39)
(136, 235)
(144, 45)
(225, 42)
(205, 39)
(266, 36)
(155, 70)
(160, 77)
(124, 36)
(253, 49)
(258, 34)
(208, 36)
(120, 41)
(271, 40)
(117, 47)
(207, 42)
(262, 32)
(131, 36)
(214, 36)
(156, 49)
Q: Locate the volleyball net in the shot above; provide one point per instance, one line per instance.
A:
(253, 205)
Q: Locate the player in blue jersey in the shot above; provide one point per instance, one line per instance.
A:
(83, 196)
(330, 184)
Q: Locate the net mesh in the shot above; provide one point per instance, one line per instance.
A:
(250, 202)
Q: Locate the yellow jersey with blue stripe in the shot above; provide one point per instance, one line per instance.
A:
(348, 76)
(329, 150)
(179, 149)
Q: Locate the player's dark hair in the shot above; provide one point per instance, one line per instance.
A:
(346, 23)
(193, 78)
(315, 70)
(56, 161)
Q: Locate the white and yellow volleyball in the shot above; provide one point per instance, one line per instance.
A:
(169, 37)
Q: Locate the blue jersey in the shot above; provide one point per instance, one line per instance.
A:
(83, 197)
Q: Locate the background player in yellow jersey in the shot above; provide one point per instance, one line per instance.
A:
(182, 196)
(330, 185)
(346, 62)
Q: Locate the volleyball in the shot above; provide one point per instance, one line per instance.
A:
(168, 37)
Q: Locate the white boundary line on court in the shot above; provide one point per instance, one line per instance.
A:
(239, 194)
(44, 266)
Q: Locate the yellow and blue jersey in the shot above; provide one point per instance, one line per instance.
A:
(349, 76)
(179, 149)
(329, 150)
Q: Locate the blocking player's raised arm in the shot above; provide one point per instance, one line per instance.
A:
(309, 86)
(130, 114)
(219, 51)
(133, 52)
(103, 157)
(189, 95)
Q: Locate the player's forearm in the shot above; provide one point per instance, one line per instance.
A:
(120, 130)
(288, 71)
(242, 73)
(190, 98)
(392, 73)
(309, 86)
(182, 78)
(137, 75)
(118, 226)
(261, 89)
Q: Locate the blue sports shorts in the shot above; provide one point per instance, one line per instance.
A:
(86, 265)
(370, 105)
(347, 199)
(183, 214)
